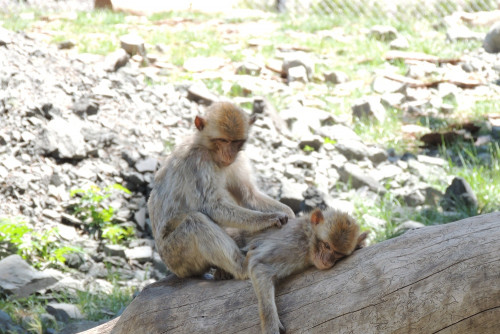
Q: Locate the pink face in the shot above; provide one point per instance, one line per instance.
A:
(226, 151)
(325, 256)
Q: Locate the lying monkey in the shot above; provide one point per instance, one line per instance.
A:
(319, 239)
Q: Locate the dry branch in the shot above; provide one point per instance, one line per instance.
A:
(440, 279)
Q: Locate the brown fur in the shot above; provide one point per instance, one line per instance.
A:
(204, 186)
(275, 254)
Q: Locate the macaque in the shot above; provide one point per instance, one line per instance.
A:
(319, 239)
(204, 187)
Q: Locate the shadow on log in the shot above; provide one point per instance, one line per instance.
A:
(439, 279)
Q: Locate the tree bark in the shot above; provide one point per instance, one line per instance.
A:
(439, 279)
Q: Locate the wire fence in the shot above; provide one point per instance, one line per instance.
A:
(399, 9)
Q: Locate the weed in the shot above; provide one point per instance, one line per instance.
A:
(38, 248)
(97, 307)
(94, 210)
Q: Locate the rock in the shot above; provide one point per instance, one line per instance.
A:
(80, 326)
(103, 4)
(414, 197)
(141, 254)
(21, 280)
(158, 263)
(383, 33)
(48, 320)
(70, 220)
(311, 141)
(200, 64)
(400, 43)
(297, 73)
(74, 259)
(336, 77)
(354, 175)
(264, 107)
(64, 45)
(302, 119)
(85, 106)
(5, 37)
(338, 132)
(10, 162)
(116, 60)
(368, 107)
(383, 85)
(313, 198)
(394, 100)
(7, 325)
(114, 250)
(459, 196)
(63, 311)
(63, 139)
(462, 33)
(432, 196)
(140, 218)
(133, 180)
(296, 59)
(352, 149)
(199, 93)
(291, 194)
(408, 225)
(385, 172)
(377, 155)
(249, 68)
(146, 165)
(133, 44)
(374, 222)
(491, 43)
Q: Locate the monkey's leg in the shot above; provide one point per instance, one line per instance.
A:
(198, 243)
(263, 284)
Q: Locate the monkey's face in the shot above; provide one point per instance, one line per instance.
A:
(225, 151)
(325, 256)
(336, 236)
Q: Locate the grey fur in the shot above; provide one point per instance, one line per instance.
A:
(194, 199)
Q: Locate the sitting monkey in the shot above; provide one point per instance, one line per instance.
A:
(204, 186)
(318, 239)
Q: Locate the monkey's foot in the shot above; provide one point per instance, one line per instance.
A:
(222, 275)
(282, 328)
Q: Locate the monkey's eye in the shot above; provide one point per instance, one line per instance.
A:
(222, 140)
(326, 245)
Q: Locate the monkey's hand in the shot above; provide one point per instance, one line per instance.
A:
(278, 219)
(274, 328)
(282, 328)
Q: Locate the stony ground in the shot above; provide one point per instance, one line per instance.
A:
(70, 120)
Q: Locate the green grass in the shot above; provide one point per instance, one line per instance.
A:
(349, 49)
(26, 312)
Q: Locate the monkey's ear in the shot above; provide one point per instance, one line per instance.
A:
(252, 119)
(317, 217)
(200, 123)
(361, 240)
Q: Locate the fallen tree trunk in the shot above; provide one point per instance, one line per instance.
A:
(439, 279)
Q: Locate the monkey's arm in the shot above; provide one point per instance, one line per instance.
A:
(245, 191)
(229, 214)
(261, 202)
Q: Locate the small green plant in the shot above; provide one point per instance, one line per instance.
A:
(329, 141)
(97, 306)
(38, 248)
(115, 233)
(94, 210)
(308, 148)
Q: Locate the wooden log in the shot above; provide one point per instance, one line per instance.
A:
(438, 279)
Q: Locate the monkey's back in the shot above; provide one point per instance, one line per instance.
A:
(286, 250)
(177, 187)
